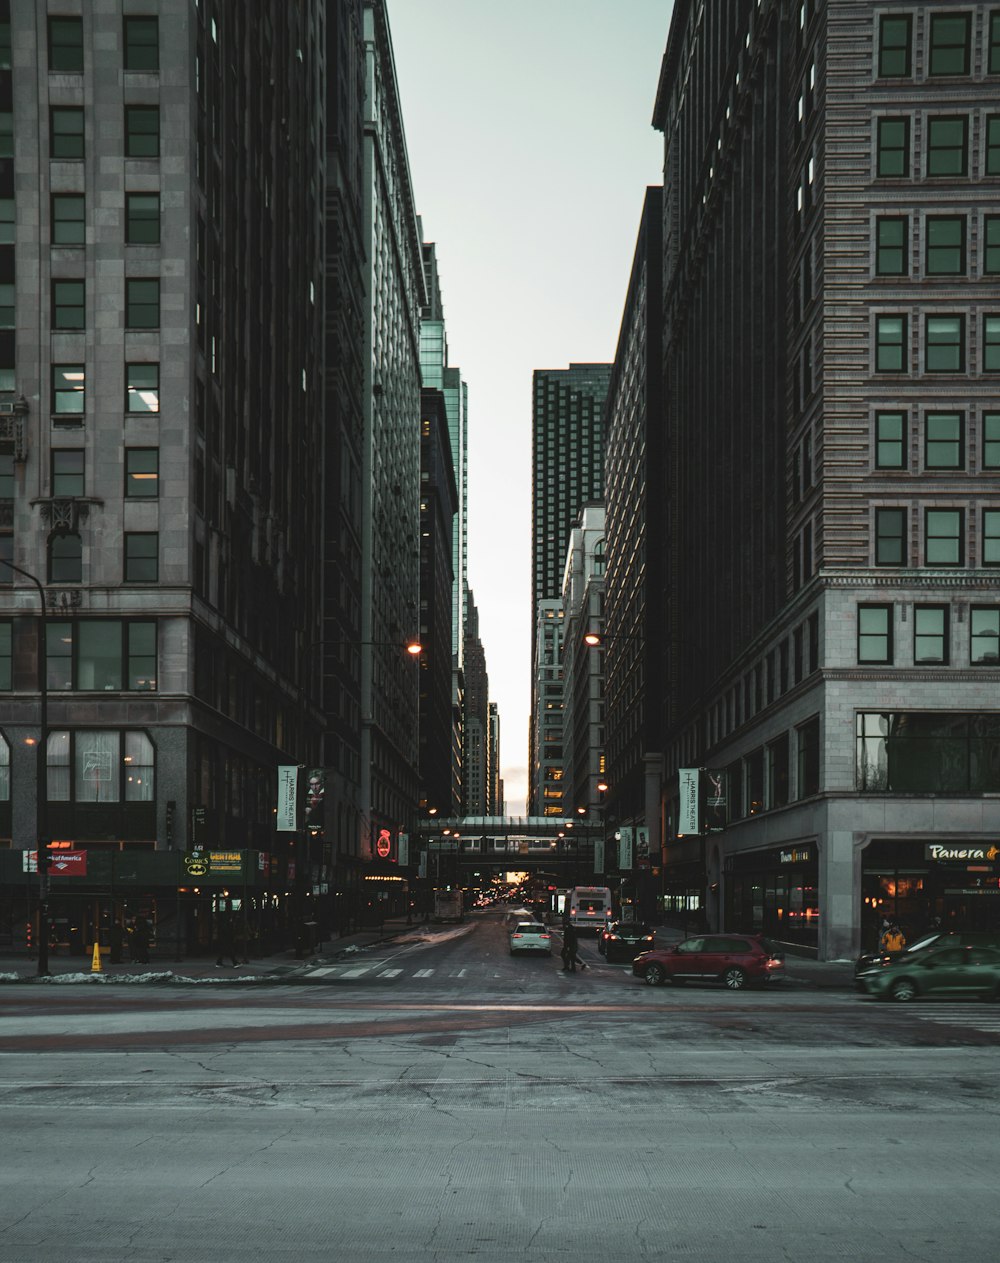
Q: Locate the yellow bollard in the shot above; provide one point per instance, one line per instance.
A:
(96, 966)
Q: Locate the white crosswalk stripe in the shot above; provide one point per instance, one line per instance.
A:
(423, 973)
(320, 973)
(980, 1018)
(354, 973)
(390, 973)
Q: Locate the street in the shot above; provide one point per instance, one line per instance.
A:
(440, 1100)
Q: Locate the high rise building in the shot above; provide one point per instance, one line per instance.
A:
(583, 685)
(545, 773)
(476, 770)
(567, 472)
(832, 357)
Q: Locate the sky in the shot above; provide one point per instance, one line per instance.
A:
(529, 133)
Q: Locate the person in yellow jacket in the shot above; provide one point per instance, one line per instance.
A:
(893, 939)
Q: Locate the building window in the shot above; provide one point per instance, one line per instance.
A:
(753, 782)
(944, 344)
(984, 635)
(7, 220)
(875, 634)
(891, 245)
(6, 134)
(991, 246)
(65, 132)
(944, 446)
(6, 305)
(141, 556)
(142, 219)
(893, 147)
(142, 44)
(991, 344)
(69, 219)
(142, 131)
(991, 440)
(930, 634)
(807, 758)
(890, 440)
(66, 45)
(777, 772)
(68, 389)
(93, 654)
(945, 247)
(65, 558)
(103, 766)
(890, 537)
(894, 38)
(993, 145)
(142, 303)
(142, 472)
(68, 304)
(6, 656)
(991, 537)
(993, 64)
(6, 493)
(142, 388)
(949, 44)
(947, 145)
(929, 753)
(890, 344)
(943, 537)
(67, 473)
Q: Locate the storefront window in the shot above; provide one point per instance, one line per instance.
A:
(914, 753)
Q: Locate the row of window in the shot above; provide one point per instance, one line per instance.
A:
(103, 766)
(68, 476)
(64, 556)
(944, 245)
(140, 44)
(944, 537)
(946, 150)
(943, 440)
(66, 132)
(91, 654)
(930, 634)
(69, 389)
(928, 753)
(69, 303)
(68, 224)
(949, 41)
(944, 344)
(762, 780)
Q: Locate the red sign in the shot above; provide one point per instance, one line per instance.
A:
(383, 844)
(67, 863)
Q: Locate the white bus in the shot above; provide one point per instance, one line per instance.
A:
(589, 907)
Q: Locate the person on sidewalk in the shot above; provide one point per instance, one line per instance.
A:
(138, 947)
(893, 940)
(570, 942)
(227, 941)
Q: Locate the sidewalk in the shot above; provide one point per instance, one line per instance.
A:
(283, 966)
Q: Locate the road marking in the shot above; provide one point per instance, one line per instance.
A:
(390, 973)
(321, 973)
(355, 973)
(423, 973)
(983, 1019)
(461, 973)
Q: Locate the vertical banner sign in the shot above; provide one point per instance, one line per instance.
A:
(625, 849)
(313, 816)
(642, 846)
(422, 867)
(715, 786)
(688, 820)
(598, 855)
(288, 778)
(403, 849)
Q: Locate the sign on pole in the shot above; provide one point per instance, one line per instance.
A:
(689, 816)
(625, 848)
(288, 779)
(403, 849)
(598, 855)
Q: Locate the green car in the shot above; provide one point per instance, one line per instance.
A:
(951, 971)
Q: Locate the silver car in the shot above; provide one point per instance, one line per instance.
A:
(530, 936)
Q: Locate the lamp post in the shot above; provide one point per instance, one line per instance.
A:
(41, 780)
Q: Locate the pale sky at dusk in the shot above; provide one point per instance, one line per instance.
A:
(530, 142)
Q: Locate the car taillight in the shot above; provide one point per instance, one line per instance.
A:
(519, 936)
(647, 938)
(774, 962)
(545, 936)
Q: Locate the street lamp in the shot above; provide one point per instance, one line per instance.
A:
(41, 780)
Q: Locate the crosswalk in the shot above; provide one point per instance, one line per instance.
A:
(977, 1017)
(377, 969)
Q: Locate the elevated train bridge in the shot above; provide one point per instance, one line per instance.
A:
(457, 850)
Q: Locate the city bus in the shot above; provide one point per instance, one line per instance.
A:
(589, 907)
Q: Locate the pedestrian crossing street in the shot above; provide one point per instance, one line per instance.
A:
(977, 1017)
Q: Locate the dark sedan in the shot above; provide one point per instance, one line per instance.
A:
(955, 971)
(623, 940)
(925, 943)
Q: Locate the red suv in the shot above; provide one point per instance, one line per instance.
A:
(737, 960)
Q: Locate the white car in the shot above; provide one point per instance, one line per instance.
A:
(529, 936)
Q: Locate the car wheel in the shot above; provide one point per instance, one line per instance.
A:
(903, 990)
(734, 978)
(655, 975)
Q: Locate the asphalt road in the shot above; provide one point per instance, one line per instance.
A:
(439, 1100)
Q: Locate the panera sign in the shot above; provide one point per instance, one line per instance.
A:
(933, 851)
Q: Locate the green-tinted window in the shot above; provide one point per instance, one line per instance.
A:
(66, 44)
(991, 244)
(894, 38)
(930, 634)
(142, 388)
(98, 654)
(991, 344)
(58, 655)
(68, 389)
(890, 344)
(947, 145)
(949, 51)
(890, 537)
(142, 44)
(142, 131)
(945, 349)
(993, 145)
(142, 472)
(141, 652)
(6, 650)
(893, 157)
(69, 222)
(7, 220)
(5, 45)
(890, 245)
(67, 472)
(943, 537)
(991, 537)
(142, 303)
(141, 556)
(142, 218)
(65, 558)
(65, 132)
(945, 249)
(6, 305)
(6, 493)
(944, 446)
(890, 440)
(6, 134)
(68, 304)
(991, 440)
(984, 635)
(875, 633)
(993, 64)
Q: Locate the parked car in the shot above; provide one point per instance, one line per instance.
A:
(530, 936)
(624, 939)
(735, 960)
(947, 971)
(925, 943)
